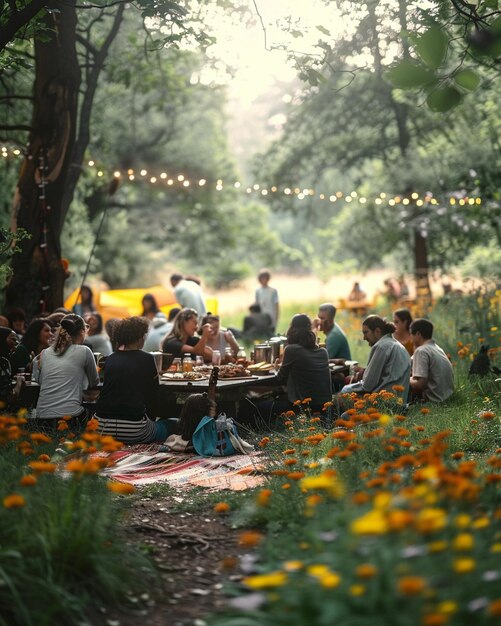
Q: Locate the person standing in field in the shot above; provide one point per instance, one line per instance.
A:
(267, 297)
(188, 294)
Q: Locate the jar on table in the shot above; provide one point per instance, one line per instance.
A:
(176, 365)
(216, 357)
(187, 363)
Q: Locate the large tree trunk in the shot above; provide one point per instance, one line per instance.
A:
(421, 272)
(38, 275)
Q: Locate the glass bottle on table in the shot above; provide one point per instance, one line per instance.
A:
(187, 363)
(241, 355)
(216, 357)
(176, 365)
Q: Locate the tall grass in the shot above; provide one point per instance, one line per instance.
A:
(62, 553)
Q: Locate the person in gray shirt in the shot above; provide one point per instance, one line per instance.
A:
(432, 377)
(389, 363)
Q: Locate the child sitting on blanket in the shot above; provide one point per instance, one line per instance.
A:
(195, 408)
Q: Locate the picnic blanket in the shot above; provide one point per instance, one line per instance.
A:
(145, 465)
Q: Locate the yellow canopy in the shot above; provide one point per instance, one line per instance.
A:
(125, 302)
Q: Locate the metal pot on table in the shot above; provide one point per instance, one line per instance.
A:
(262, 352)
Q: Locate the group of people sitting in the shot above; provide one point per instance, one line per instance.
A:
(58, 349)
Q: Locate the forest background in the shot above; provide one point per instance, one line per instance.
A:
(383, 150)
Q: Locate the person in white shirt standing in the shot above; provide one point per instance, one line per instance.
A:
(267, 297)
(432, 376)
(188, 294)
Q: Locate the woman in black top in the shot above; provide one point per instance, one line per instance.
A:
(305, 366)
(182, 339)
(126, 405)
(37, 337)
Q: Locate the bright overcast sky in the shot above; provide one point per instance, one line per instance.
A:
(242, 45)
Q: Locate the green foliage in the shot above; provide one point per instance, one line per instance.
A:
(61, 555)
(409, 75)
(443, 99)
(432, 46)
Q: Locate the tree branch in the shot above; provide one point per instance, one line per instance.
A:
(18, 19)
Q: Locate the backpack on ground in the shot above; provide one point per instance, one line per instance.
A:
(218, 437)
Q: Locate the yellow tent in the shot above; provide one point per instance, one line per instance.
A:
(125, 302)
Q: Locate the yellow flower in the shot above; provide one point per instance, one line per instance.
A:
(357, 590)
(437, 546)
(447, 607)
(384, 419)
(431, 520)
(293, 566)
(462, 521)
(14, 501)
(330, 580)
(317, 570)
(463, 542)
(496, 548)
(382, 500)
(463, 566)
(266, 581)
(323, 482)
(372, 523)
(481, 522)
(122, 488)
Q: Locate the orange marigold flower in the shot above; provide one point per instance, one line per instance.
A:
(297, 440)
(411, 585)
(62, 425)
(360, 497)
(43, 457)
(121, 488)
(398, 388)
(457, 455)
(306, 401)
(14, 501)
(286, 486)
(419, 428)
(28, 481)
(425, 411)
(487, 415)
(250, 538)
(295, 475)
(494, 608)
(344, 454)
(41, 466)
(349, 424)
(221, 507)
(314, 499)
(264, 442)
(40, 438)
(279, 472)
(263, 497)
(366, 570)
(296, 402)
(290, 461)
(326, 405)
(435, 619)
(315, 419)
(332, 452)
(289, 451)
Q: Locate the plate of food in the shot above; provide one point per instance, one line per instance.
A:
(233, 371)
(183, 376)
(262, 369)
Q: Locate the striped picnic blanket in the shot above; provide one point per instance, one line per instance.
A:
(145, 465)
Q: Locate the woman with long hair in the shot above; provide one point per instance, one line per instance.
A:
(305, 366)
(402, 319)
(183, 339)
(150, 306)
(86, 304)
(127, 403)
(63, 371)
(96, 338)
(37, 337)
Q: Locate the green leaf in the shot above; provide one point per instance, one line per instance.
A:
(467, 79)
(444, 99)
(408, 75)
(324, 30)
(432, 47)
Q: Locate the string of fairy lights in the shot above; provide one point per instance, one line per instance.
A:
(180, 181)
